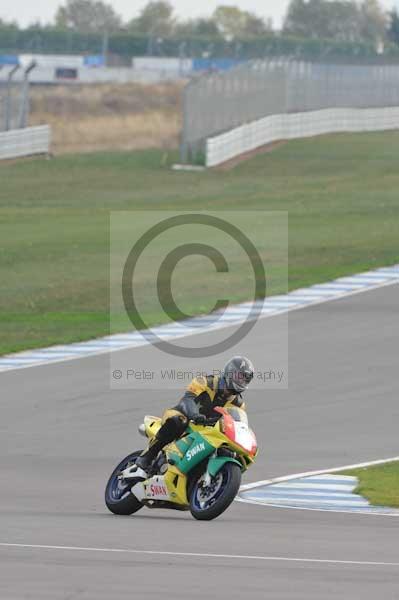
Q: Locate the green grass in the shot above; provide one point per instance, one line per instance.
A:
(379, 484)
(341, 193)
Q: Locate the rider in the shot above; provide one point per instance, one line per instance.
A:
(197, 404)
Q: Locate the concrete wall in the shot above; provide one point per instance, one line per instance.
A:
(176, 67)
(52, 60)
(71, 69)
(74, 76)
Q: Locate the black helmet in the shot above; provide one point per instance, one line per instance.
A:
(238, 373)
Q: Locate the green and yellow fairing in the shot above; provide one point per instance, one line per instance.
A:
(187, 452)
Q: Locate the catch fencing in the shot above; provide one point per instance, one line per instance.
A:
(14, 96)
(221, 102)
(12, 106)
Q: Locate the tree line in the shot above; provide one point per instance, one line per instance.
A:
(331, 27)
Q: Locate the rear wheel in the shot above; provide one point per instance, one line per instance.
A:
(209, 500)
(118, 497)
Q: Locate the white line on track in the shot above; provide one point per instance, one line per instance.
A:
(327, 561)
(315, 486)
(362, 512)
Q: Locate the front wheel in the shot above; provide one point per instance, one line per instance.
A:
(118, 497)
(209, 501)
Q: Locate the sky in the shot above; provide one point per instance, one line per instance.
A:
(27, 11)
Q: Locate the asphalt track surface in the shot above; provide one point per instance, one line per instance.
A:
(62, 429)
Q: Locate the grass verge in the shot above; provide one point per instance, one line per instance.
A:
(340, 191)
(379, 484)
(88, 118)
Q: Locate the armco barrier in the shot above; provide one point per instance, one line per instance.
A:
(251, 136)
(25, 142)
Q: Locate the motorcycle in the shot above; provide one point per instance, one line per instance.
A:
(200, 471)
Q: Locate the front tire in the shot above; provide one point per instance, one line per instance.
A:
(207, 503)
(118, 497)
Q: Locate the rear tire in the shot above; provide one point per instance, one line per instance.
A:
(119, 499)
(231, 481)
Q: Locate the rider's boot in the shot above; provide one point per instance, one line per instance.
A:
(146, 459)
(172, 428)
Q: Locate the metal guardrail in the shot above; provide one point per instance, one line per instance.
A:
(25, 142)
(249, 137)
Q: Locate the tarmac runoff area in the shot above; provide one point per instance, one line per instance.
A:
(62, 430)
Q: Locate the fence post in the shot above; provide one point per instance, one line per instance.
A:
(23, 118)
(7, 114)
(184, 146)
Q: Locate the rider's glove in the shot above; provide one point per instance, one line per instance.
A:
(199, 420)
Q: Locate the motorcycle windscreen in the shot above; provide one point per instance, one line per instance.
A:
(238, 431)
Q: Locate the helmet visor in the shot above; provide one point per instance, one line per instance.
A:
(240, 379)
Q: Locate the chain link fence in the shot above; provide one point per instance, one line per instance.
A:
(216, 103)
